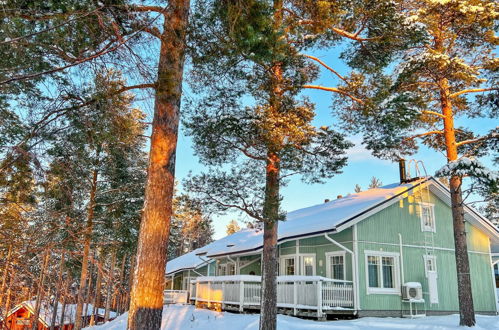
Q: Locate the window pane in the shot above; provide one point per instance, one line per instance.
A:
(337, 268)
(290, 266)
(427, 216)
(373, 266)
(309, 266)
(388, 272)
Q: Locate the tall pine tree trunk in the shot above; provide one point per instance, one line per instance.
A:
(5, 274)
(268, 303)
(146, 303)
(57, 295)
(466, 309)
(39, 296)
(109, 291)
(86, 252)
(96, 300)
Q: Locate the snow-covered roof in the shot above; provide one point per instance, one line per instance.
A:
(46, 311)
(335, 215)
(187, 261)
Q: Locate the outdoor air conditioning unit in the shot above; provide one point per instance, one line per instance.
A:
(412, 290)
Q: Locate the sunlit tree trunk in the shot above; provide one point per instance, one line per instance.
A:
(268, 303)
(466, 309)
(146, 303)
(5, 274)
(86, 252)
(109, 291)
(39, 296)
(96, 300)
(57, 293)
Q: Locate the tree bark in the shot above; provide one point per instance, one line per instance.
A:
(57, 293)
(466, 308)
(86, 252)
(96, 301)
(130, 283)
(39, 296)
(268, 303)
(109, 292)
(5, 274)
(147, 292)
(64, 298)
(87, 296)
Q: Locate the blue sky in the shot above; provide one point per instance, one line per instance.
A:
(362, 166)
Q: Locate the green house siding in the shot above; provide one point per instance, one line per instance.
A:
(380, 232)
(254, 267)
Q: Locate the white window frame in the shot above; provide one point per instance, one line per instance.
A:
(431, 207)
(219, 267)
(328, 264)
(302, 263)
(396, 277)
(433, 258)
(282, 263)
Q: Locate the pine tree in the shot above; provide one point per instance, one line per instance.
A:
(375, 183)
(232, 227)
(190, 227)
(357, 189)
(450, 71)
(258, 48)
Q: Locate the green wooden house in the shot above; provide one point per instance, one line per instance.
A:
(387, 251)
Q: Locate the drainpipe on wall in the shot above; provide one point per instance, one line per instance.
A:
(401, 259)
(354, 269)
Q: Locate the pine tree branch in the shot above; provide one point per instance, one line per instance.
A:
(154, 31)
(326, 66)
(143, 8)
(424, 134)
(473, 90)
(334, 90)
(352, 36)
(480, 139)
(48, 29)
(428, 112)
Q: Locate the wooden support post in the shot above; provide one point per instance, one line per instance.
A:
(241, 296)
(295, 297)
(319, 299)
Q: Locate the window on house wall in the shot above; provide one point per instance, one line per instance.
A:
(335, 263)
(427, 217)
(288, 266)
(222, 270)
(307, 265)
(430, 264)
(382, 272)
(231, 269)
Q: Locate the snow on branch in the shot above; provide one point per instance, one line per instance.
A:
(468, 167)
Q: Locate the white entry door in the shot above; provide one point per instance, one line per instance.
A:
(432, 277)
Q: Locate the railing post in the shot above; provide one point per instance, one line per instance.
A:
(209, 294)
(197, 294)
(295, 297)
(223, 295)
(241, 296)
(319, 299)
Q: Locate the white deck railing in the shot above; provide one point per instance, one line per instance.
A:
(296, 292)
(176, 297)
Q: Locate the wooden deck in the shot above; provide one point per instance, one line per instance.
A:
(296, 295)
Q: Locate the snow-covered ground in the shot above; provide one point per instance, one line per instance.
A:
(179, 317)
